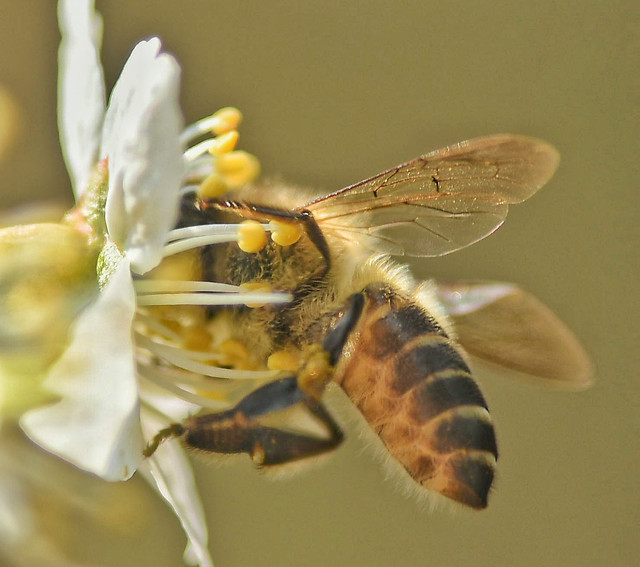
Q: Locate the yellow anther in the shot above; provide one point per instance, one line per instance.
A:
(224, 143)
(226, 119)
(196, 338)
(283, 360)
(258, 287)
(285, 233)
(252, 236)
(238, 167)
(212, 187)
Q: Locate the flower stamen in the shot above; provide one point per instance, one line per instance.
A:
(158, 377)
(220, 122)
(197, 242)
(224, 143)
(285, 233)
(176, 286)
(200, 149)
(213, 299)
(252, 236)
(238, 167)
(213, 187)
(179, 358)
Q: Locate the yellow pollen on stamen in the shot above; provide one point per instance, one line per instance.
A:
(283, 360)
(236, 354)
(212, 187)
(226, 119)
(261, 287)
(285, 233)
(238, 167)
(224, 143)
(252, 236)
(196, 338)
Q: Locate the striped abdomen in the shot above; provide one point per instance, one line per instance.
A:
(416, 391)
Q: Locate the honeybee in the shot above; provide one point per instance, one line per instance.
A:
(398, 348)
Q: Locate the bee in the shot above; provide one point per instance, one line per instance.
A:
(399, 349)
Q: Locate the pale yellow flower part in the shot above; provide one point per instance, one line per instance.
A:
(48, 276)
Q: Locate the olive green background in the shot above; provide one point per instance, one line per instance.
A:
(333, 92)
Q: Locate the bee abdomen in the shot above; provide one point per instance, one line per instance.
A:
(415, 389)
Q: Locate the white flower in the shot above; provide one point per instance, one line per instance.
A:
(112, 393)
(139, 135)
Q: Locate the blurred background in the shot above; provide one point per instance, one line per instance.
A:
(333, 92)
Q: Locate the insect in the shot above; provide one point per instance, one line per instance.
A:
(398, 348)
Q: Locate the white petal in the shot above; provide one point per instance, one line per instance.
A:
(141, 139)
(81, 98)
(96, 424)
(169, 472)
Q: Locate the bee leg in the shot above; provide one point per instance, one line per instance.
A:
(174, 430)
(278, 447)
(273, 446)
(250, 211)
(220, 432)
(238, 430)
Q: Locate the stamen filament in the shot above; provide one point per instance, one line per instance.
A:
(198, 129)
(195, 381)
(175, 286)
(199, 169)
(205, 230)
(213, 298)
(175, 356)
(157, 378)
(197, 242)
(153, 324)
(199, 149)
(189, 190)
(203, 164)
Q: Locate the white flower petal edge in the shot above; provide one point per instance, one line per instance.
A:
(168, 471)
(96, 424)
(141, 140)
(81, 93)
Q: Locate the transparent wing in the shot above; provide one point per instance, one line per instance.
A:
(439, 202)
(501, 323)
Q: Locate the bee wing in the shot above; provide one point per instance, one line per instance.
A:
(501, 323)
(441, 201)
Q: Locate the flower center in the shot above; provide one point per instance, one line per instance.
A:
(178, 350)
